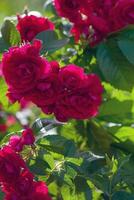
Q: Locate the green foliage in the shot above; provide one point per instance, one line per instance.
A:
(118, 106)
(83, 160)
(10, 34)
(50, 41)
(117, 68)
(3, 90)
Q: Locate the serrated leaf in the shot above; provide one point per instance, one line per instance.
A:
(50, 41)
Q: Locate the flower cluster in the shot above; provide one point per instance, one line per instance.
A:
(17, 143)
(16, 181)
(96, 19)
(29, 26)
(67, 92)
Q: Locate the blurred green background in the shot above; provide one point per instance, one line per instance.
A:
(8, 7)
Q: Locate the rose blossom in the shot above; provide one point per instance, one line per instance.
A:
(11, 165)
(17, 142)
(26, 188)
(68, 8)
(95, 20)
(80, 94)
(29, 26)
(28, 137)
(122, 13)
(47, 88)
(71, 77)
(22, 67)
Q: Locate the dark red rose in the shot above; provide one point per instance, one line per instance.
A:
(17, 142)
(22, 67)
(41, 191)
(69, 9)
(95, 20)
(47, 88)
(11, 165)
(80, 95)
(27, 137)
(26, 189)
(71, 77)
(29, 26)
(24, 183)
(122, 13)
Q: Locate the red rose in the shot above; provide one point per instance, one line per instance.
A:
(71, 77)
(47, 88)
(30, 25)
(27, 137)
(11, 165)
(24, 183)
(69, 9)
(26, 189)
(122, 13)
(80, 96)
(15, 143)
(40, 191)
(22, 67)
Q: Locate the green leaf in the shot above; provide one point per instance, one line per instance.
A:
(123, 133)
(99, 139)
(124, 137)
(3, 45)
(124, 172)
(58, 144)
(126, 43)
(3, 90)
(117, 107)
(50, 41)
(127, 48)
(115, 67)
(101, 182)
(42, 163)
(39, 166)
(117, 112)
(10, 34)
(1, 195)
(13, 108)
(82, 190)
(123, 196)
(66, 192)
(91, 165)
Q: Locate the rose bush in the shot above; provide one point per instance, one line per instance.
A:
(104, 17)
(67, 102)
